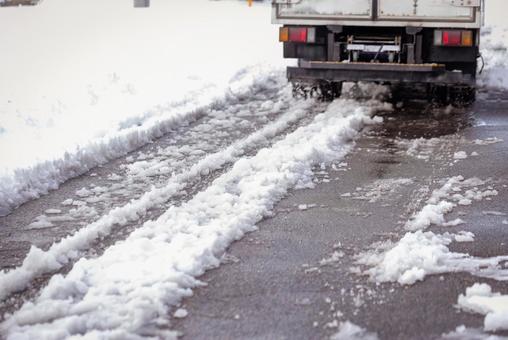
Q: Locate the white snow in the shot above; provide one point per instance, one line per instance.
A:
(456, 191)
(350, 331)
(420, 148)
(487, 141)
(460, 155)
(59, 254)
(80, 92)
(181, 313)
(464, 236)
(130, 289)
(494, 47)
(464, 333)
(480, 299)
(420, 253)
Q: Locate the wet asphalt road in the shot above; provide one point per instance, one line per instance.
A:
(272, 285)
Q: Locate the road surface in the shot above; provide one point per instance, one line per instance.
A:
(298, 275)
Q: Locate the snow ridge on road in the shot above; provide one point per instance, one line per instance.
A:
(129, 290)
(40, 262)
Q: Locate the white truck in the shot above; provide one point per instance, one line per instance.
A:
(429, 42)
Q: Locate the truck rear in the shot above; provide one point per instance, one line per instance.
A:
(429, 42)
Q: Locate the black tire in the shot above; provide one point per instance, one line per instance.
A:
(326, 91)
(462, 96)
(329, 91)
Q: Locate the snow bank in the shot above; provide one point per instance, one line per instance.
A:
(494, 46)
(480, 299)
(78, 92)
(421, 253)
(129, 289)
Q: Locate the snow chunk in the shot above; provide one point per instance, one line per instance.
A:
(350, 331)
(480, 299)
(83, 192)
(181, 313)
(40, 222)
(464, 236)
(53, 211)
(488, 141)
(430, 214)
(460, 155)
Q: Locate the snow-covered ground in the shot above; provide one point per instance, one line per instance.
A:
(86, 81)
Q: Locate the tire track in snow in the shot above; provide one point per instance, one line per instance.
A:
(84, 200)
(122, 220)
(128, 291)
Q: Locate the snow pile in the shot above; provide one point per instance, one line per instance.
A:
(39, 262)
(421, 253)
(129, 289)
(79, 92)
(480, 299)
(350, 331)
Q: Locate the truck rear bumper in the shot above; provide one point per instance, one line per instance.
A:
(310, 71)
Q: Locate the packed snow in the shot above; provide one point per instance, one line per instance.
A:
(129, 291)
(480, 299)
(77, 94)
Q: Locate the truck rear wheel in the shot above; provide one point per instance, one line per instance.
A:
(322, 90)
(462, 96)
(459, 96)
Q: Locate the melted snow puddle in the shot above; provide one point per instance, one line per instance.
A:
(130, 290)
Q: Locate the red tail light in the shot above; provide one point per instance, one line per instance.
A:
(298, 34)
(452, 38)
